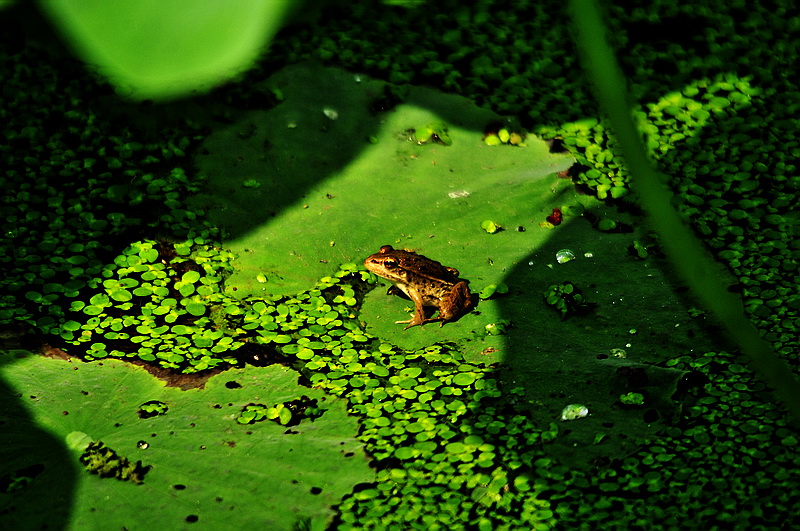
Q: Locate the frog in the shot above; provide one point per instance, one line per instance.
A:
(425, 281)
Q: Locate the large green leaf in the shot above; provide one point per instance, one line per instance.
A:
(300, 193)
(151, 49)
(205, 466)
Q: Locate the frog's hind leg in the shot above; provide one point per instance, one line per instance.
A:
(457, 303)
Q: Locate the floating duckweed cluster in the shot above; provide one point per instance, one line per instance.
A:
(449, 448)
(159, 302)
(153, 408)
(676, 118)
(436, 133)
(566, 298)
(286, 413)
(741, 197)
(504, 136)
(105, 462)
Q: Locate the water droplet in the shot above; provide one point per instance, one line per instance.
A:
(143, 445)
(564, 255)
(457, 194)
(588, 255)
(331, 113)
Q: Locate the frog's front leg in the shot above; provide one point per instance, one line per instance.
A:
(419, 311)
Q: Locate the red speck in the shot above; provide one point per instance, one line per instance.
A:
(556, 217)
(65, 412)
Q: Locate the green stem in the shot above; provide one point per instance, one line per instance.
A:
(691, 260)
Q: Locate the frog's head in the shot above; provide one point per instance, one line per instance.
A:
(388, 263)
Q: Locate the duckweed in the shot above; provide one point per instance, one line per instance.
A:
(176, 300)
(287, 414)
(566, 298)
(434, 133)
(665, 124)
(152, 408)
(105, 462)
(490, 226)
(493, 289)
(632, 399)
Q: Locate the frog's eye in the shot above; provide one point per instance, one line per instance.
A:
(390, 263)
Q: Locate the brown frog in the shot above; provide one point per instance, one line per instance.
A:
(425, 281)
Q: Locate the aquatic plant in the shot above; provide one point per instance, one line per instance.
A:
(566, 298)
(105, 462)
(212, 467)
(162, 52)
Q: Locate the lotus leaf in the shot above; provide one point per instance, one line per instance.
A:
(203, 462)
